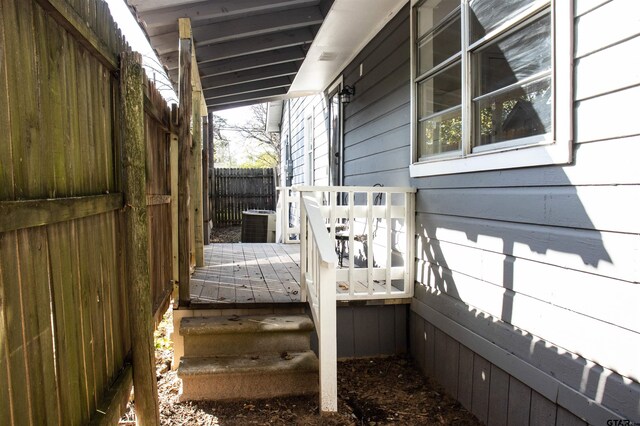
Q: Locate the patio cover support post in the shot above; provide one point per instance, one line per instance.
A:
(212, 171)
(205, 179)
(196, 169)
(184, 162)
(136, 240)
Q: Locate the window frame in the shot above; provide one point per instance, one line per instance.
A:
(525, 152)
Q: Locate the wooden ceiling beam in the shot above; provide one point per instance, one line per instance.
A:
(257, 25)
(243, 63)
(241, 47)
(251, 45)
(146, 5)
(254, 97)
(258, 74)
(257, 60)
(214, 108)
(253, 86)
(169, 11)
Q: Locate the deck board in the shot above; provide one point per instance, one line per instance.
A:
(247, 273)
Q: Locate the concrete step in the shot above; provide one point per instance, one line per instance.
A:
(248, 377)
(245, 335)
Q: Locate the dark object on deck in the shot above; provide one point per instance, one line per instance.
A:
(258, 226)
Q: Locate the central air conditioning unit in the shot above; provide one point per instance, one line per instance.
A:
(258, 226)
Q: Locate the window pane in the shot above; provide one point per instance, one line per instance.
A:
(440, 92)
(520, 55)
(439, 134)
(432, 12)
(521, 112)
(486, 15)
(439, 46)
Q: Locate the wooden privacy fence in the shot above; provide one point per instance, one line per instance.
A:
(236, 190)
(85, 216)
(161, 214)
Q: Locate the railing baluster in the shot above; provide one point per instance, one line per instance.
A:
(387, 205)
(352, 258)
(369, 252)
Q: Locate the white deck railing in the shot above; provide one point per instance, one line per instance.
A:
(371, 230)
(368, 228)
(318, 269)
(288, 216)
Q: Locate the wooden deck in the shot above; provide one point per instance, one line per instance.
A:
(242, 273)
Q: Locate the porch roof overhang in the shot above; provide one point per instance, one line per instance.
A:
(254, 51)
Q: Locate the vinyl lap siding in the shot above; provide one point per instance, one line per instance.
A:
(376, 122)
(295, 132)
(549, 252)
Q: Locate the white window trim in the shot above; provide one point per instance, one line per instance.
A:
(557, 150)
(309, 150)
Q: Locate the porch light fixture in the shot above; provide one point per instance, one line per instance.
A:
(346, 94)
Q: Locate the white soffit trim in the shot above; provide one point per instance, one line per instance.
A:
(348, 27)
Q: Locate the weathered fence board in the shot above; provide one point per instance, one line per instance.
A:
(158, 164)
(65, 339)
(236, 190)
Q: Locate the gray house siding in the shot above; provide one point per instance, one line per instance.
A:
(376, 122)
(370, 331)
(294, 133)
(534, 271)
(527, 280)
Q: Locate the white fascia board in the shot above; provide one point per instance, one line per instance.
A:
(348, 27)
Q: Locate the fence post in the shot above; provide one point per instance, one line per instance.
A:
(136, 240)
(184, 161)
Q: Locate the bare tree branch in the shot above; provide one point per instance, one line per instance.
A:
(254, 132)
(262, 147)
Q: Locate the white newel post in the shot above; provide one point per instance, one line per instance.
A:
(328, 341)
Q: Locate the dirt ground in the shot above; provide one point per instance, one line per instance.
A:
(378, 391)
(228, 234)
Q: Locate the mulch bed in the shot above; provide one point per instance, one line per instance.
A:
(227, 234)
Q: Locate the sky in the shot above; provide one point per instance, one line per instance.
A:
(136, 38)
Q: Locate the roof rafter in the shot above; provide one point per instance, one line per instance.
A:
(253, 86)
(216, 10)
(257, 60)
(254, 97)
(257, 25)
(264, 73)
(217, 107)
